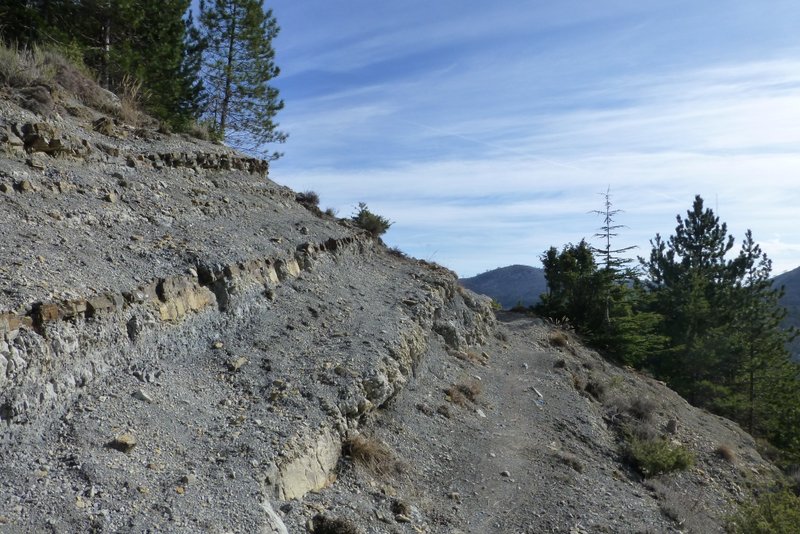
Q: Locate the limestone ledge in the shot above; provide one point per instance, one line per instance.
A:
(56, 347)
(175, 297)
(42, 141)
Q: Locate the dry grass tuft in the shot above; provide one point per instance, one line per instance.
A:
(455, 396)
(326, 525)
(472, 356)
(596, 389)
(727, 453)
(570, 460)
(372, 454)
(557, 338)
(131, 97)
(464, 391)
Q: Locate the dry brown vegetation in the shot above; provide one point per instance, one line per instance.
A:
(326, 525)
(570, 460)
(557, 338)
(372, 454)
(472, 356)
(464, 391)
(726, 453)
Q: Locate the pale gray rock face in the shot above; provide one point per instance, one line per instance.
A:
(185, 348)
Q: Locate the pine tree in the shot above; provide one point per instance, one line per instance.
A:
(239, 65)
(690, 280)
(161, 59)
(762, 362)
(29, 22)
(575, 288)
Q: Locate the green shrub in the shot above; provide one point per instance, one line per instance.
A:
(772, 513)
(372, 223)
(657, 456)
(307, 198)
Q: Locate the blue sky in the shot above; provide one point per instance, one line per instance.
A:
(486, 130)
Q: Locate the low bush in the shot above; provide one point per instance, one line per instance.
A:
(23, 67)
(657, 456)
(372, 223)
(774, 512)
(307, 198)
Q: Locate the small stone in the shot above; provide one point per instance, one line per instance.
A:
(142, 490)
(402, 518)
(189, 478)
(37, 160)
(505, 474)
(25, 186)
(217, 345)
(142, 395)
(5, 188)
(180, 490)
(237, 363)
(40, 473)
(480, 413)
(123, 443)
(111, 197)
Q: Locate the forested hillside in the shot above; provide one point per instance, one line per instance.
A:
(702, 316)
(510, 286)
(209, 75)
(791, 300)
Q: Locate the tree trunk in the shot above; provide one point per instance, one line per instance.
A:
(226, 97)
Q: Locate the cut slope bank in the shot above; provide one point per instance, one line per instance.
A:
(185, 348)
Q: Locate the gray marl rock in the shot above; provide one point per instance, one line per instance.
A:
(261, 338)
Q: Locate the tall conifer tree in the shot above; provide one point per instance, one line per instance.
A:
(239, 65)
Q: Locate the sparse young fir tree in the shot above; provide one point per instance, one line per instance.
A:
(238, 68)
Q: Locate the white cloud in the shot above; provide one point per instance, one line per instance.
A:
(479, 177)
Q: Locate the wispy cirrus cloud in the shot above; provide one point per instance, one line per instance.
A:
(485, 156)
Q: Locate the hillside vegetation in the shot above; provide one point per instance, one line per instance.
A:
(211, 76)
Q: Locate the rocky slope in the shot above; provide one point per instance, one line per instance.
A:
(185, 348)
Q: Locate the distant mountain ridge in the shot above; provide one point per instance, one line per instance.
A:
(509, 285)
